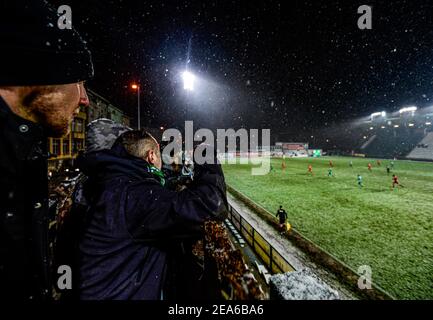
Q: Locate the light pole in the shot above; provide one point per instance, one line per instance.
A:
(137, 87)
(188, 85)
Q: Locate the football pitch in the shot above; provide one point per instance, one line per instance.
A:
(390, 230)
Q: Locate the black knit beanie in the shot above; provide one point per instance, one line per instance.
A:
(35, 51)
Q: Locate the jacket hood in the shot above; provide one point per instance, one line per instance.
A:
(102, 133)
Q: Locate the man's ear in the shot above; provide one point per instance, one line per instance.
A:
(151, 157)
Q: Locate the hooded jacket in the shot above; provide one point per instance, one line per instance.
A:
(24, 256)
(133, 223)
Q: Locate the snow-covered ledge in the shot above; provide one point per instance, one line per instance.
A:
(300, 285)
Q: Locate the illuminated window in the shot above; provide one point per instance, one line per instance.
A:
(78, 125)
(77, 145)
(56, 147)
(65, 146)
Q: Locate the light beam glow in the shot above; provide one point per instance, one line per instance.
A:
(408, 109)
(188, 80)
(377, 114)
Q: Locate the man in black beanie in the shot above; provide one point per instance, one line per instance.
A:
(42, 71)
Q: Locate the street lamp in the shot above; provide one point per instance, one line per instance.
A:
(137, 87)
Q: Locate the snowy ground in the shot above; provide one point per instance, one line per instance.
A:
(297, 258)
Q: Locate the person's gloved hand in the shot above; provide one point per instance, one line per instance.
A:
(212, 165)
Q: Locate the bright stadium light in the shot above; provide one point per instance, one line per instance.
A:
(408, 109)
(428, 123)
(411, 124)
(396, 126)
(378, 114)
(188, 80)
(382, 127)
(371, 128)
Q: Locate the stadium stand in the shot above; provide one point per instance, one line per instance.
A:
(424, 149)
(389, 143)
(368, 142)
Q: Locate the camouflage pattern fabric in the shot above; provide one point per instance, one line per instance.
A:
(102, 133)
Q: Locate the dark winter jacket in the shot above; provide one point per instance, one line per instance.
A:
(24, 269)
(133, 224)
(282, 214)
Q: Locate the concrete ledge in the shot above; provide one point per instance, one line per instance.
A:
(300, 285)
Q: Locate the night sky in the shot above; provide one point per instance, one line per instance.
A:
(290, 66)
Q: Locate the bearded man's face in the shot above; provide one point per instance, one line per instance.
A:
(54, 107)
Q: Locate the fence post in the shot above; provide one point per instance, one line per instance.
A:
(270, 257)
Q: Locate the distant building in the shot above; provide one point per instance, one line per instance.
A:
(98, 107)
(115, 114)
(67, 148)
(102, 108)
(64, 150)
(126, 121)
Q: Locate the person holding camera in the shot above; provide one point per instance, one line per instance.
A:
(134, 223)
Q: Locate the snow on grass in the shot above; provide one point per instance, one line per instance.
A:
(389, 230)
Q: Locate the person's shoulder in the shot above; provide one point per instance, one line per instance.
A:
(144, 184)
(149, 185)
(149, 194)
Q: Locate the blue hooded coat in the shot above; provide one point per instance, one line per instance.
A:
(133, 223)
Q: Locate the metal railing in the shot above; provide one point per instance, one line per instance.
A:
(267, 253)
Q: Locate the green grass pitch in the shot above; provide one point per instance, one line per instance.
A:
(390, 230)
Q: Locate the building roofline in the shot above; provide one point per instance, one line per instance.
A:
(98, 95)
(109, 104)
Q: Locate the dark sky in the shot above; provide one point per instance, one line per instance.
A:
(288, 66)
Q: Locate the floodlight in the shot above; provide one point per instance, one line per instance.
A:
(188, 80)
(408, 109)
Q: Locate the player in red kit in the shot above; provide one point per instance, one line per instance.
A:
(310, 169)
(369, 167)
(395, 181)
(331, 164)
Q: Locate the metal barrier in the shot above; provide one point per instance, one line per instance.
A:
(269, 255)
